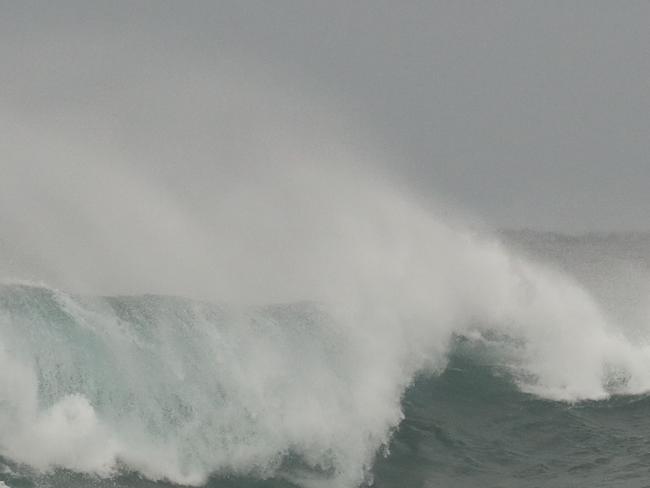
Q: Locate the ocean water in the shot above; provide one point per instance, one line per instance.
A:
(543, 384)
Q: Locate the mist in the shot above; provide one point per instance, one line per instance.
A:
(158, 192)
(526, 115)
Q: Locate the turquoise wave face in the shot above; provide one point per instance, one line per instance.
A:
(179, 390)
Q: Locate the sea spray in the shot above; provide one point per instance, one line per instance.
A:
(180, 389)
(317, 290)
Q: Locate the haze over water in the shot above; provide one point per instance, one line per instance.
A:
(254, 246)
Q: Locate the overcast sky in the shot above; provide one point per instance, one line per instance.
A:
(529, 114)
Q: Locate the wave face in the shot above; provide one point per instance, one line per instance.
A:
(471, 426)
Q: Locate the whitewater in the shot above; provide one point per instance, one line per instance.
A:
(309, 380)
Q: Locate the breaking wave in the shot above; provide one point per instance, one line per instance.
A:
(180, 389)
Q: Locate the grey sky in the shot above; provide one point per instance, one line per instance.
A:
(530, 114)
